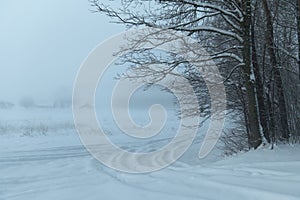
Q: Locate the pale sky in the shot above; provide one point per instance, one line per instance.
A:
(43, 43)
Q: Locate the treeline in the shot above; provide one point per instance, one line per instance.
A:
(255, 44)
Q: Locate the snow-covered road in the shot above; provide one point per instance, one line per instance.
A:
(69, 172)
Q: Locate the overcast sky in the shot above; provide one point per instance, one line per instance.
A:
(43, 43)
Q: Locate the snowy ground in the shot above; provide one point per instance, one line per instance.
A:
(42, 158)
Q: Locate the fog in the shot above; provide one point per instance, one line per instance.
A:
(43, 44)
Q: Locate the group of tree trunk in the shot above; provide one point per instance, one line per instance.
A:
(255, 44)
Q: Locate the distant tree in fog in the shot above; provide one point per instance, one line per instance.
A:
(27, 102)
(6, 105)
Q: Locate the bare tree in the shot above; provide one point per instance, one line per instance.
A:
(194, 18)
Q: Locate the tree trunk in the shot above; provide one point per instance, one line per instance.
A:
(278, 80)
(259, 88)
(298, 31)
(255, 139)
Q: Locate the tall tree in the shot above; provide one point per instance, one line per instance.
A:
(248, 72)
(264, 118)
(276, 69)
